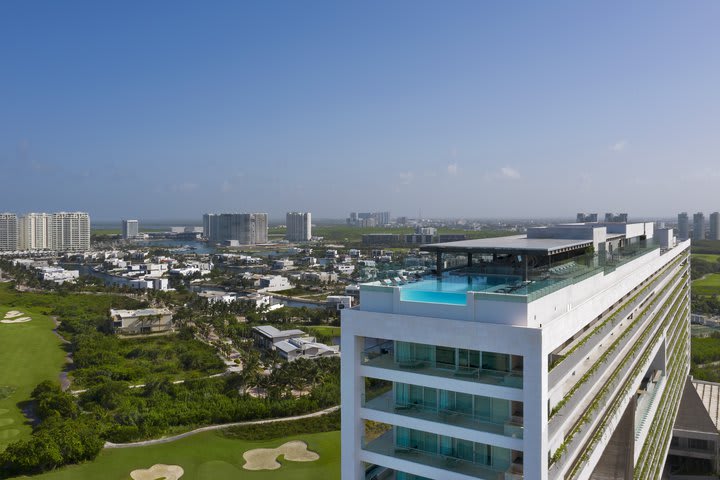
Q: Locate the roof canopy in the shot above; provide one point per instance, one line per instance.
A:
(516, 244)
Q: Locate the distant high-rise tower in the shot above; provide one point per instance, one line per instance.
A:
(587, 217)
(619, 218)
(35, 231)
(70, 231)
(683, 226)
(8, 232)
(130, 229)
(246, 228)
(715, 226)
(299, 226)
(699, 226)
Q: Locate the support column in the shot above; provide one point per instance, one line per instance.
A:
(438, 264)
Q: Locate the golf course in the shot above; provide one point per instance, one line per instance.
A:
(210, 456)
(29, 353)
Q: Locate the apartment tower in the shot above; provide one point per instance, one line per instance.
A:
(559, 354)
(130, 229)
(714, 226)
(70, 231)
(245, 228)
(34, 231)
(698, 226)
(299, 226)
(8, 232)
(683, 226)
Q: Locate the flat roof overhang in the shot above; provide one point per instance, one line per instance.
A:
(517, 244)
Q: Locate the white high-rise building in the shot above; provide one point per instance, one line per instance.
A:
(35, 230)
(70, 231)
(8, 232)
(299, 226)
(559, 354)
(245, 228)
(130, 229)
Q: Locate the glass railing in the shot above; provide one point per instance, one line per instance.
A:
(510, 427)
(383, 357)
(452, 286)
(645, 402)
(384, 445)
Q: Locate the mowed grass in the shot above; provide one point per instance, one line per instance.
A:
(325, 330)
(708, 285)
(210, 456)
(708, 257)
(29, 354)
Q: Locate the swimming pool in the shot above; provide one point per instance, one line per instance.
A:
(451, 289)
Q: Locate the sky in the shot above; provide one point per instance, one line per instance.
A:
(169, 109)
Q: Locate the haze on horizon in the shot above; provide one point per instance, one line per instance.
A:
(462, 109)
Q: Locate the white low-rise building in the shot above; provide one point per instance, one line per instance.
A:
(58, 274)
(148, 320)
(274, 283)
(305, 347)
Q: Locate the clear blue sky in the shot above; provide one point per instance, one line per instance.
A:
(481, 109)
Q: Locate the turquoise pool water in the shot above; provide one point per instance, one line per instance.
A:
(451, 289)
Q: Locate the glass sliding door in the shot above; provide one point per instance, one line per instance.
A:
(445, 358)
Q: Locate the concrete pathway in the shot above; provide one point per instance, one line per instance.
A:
(219, 427)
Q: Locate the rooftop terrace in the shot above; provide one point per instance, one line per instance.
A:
(510, 272)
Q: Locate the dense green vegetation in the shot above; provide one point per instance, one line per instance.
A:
(705, 363)
(100, 357)
(268, 431)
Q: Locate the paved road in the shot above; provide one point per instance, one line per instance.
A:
(218, 427)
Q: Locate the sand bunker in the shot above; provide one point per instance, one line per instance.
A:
(13, 314)
(166, 472)
(266, 458)
(17, 320)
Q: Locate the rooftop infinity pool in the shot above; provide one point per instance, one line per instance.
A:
(451, 289)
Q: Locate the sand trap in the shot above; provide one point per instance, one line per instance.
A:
(18, 320)
(166, 472)
(266, 458)
(13, 314)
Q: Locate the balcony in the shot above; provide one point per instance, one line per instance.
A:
(510, 427)
(382, 356)
(384, 445)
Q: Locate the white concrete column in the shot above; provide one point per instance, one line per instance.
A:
(351, 388)
(535, 387)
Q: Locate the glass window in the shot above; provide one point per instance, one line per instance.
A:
(464, 403)
(469, 358)
(445, 357)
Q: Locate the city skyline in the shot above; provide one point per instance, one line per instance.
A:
(464, 112)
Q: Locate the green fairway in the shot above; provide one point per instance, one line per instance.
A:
(325, 330)
(708, 257)
(210, 456)
(708, 285)
(29, 354)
